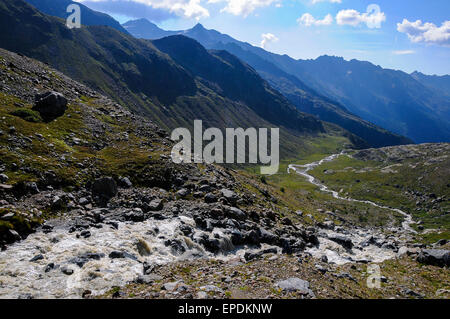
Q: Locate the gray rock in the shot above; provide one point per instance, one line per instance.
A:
(210, 198)
(7, 216)
(236, 213)
(171, 286)
(183, 192)
(84, 258)
(211, 288)
(412, 293)
(32, 188)
(85, 234)
(50, 105)
(230, 196)
(13, 235)
(135, 215)
(321, 269)
(295, 285)
(83, 201)
(3, 178)
(437, 257)
(248, 256)
(346, 275)
(147, 279)
(37, 258)
(121, 254)
(104, 187)
(155, 205)
(341, 240)
(125, 182)
(268, 237)
(66, 270)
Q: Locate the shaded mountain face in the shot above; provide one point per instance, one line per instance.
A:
(58, 8)
(172, 91)
(298, 93)
(236, 81)
(392, 99)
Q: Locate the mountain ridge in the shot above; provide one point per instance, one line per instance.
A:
(303, 97)
(427, 117)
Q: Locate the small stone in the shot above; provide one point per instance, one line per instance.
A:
(156, 205)
(66, 270)
(37, 258)
(3, 178)
(49, 267)
(210, 198)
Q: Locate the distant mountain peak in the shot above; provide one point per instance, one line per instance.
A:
(198, 27)
(142, 21)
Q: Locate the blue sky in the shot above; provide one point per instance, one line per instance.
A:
(307, 29)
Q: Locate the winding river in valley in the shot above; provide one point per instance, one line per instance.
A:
(304, 169)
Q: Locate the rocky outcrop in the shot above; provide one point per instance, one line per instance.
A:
(436, 257)
(50, 105)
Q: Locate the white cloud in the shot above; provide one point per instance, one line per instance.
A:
(308, 20)
(185, 8)
(267, 38)
(404, 52)
(243, 7)
(332, 1)
(426, 32)
(372, 18)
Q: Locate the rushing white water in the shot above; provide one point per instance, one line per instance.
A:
(339, 255)
(19, 276)
(304, 169)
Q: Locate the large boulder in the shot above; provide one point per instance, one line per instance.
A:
(105, 188)
(50, 105)
(437, 257)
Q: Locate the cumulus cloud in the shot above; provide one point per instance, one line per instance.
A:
(426, 32)
(332, 1)
(243, 7)
(308, 20)
(267, 38)
(184, 8)
(372, 18)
